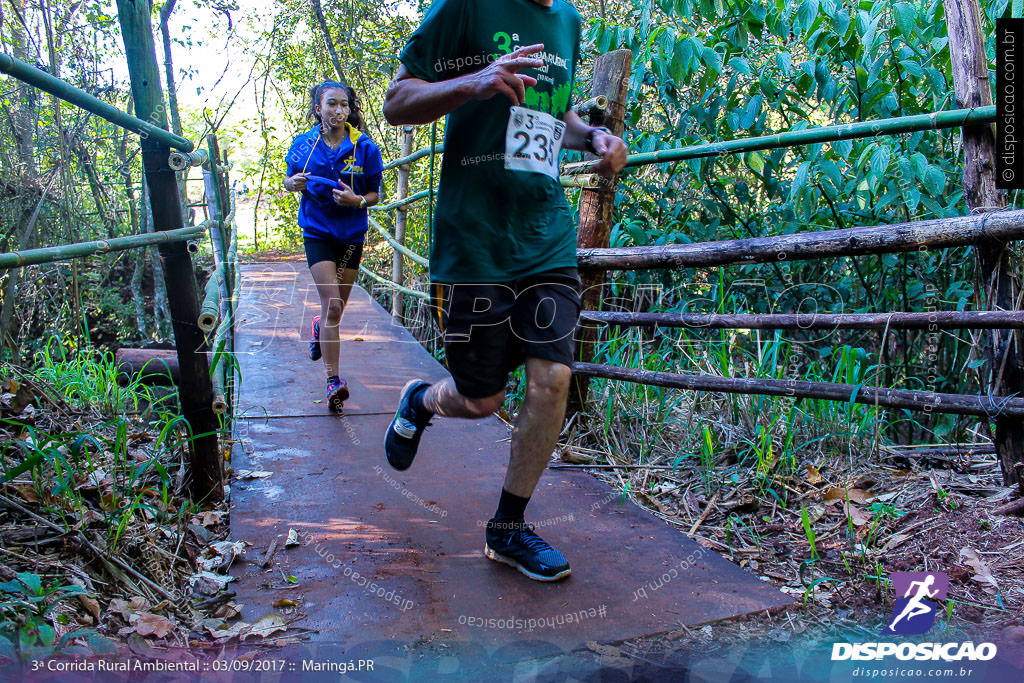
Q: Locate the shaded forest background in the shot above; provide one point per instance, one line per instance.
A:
(703, 71)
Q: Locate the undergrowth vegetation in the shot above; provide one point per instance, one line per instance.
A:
(93, 500)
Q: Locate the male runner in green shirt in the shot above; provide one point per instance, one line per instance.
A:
(504, 284)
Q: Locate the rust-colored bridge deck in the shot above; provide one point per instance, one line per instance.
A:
(398, 555)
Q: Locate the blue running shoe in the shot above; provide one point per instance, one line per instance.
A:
(337, 394)
(403, 435)
(514, 543)
(314, 343)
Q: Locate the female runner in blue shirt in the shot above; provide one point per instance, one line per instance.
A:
(338, 170)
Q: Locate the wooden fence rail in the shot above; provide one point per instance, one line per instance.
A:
(920, 401)
(935, 320)
(939, 233)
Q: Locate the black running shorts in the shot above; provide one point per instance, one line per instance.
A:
(488, 330)
(345, 255)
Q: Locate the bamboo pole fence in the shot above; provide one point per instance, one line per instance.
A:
(78, 97)
(31, 257)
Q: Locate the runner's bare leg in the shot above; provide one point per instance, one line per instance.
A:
(334, 286)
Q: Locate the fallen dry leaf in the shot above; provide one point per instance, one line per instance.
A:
(265, 626)
(815, 512)
(293, 538)
(285, 602)
(252, 474)
(90, 605)
(148, 624)
(606, 650)
(227, 611)
(982, 573)
(841, 494)
(814, 476)
(128, 608)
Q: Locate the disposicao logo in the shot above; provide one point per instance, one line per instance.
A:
(922, 593)
(913, 614)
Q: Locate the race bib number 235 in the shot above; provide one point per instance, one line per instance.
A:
(533, 141)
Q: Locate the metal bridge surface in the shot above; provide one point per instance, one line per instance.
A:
(398, 555)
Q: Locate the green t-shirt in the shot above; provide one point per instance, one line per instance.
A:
(493, 224)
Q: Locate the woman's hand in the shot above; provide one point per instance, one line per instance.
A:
(296, 183)
(345, 196)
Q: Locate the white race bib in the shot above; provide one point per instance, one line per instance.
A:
(533, 141)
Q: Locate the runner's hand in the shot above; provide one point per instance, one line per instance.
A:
(296, 183)
(612, 151)
(502, 77)
(345, 196)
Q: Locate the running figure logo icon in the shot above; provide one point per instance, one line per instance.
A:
(914, 612)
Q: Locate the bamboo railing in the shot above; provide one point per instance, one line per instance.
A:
(976, 229)
(163, 154)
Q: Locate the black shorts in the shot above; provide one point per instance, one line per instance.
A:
(488, 330)
(345, 255)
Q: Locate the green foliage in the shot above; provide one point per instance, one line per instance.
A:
(25, 632)
(89, 377)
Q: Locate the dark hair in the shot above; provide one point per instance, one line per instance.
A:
(355, 114)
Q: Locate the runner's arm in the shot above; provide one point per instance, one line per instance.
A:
(611, 149)
(413, 101)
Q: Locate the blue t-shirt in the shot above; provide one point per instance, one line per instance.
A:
(357, 162)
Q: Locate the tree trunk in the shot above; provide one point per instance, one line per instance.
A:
(14, 276)
(172, 93)
(196, 394)
(141, 255)
(1005, 354)
(161, 309)
(99, 194)
(321, 22)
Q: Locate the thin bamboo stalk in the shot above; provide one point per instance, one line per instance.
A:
(179, 161)
(935, 320)
(30, 257)
(401, 223)
(422, 194)
(384, 281)
(921, 401)
(415, 156)
(809, 136)
(598, 102)
(400, 248)
(210, 310)
(880, 239)
(78, 97)
(587, 180)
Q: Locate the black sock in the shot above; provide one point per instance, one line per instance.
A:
(511, 506)
(416, 401)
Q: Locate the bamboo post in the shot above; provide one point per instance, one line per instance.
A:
(216, 209)
(401, 221)
(1005, 354)
(611, 81)
(196, 390)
